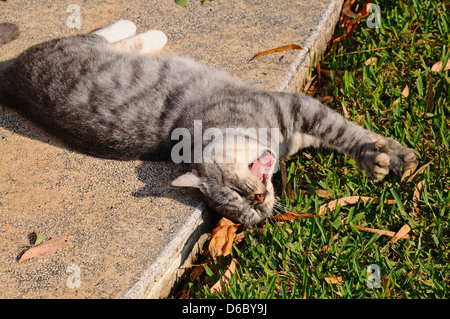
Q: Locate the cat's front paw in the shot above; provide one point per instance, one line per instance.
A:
(385, 155)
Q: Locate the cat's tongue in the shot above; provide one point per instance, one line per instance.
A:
(260, 167)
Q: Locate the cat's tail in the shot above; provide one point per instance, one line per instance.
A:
(8, 32)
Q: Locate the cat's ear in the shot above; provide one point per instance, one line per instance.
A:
(188, 180)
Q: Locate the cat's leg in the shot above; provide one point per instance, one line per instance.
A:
(375, 154)
(144, 43)
(117, 31)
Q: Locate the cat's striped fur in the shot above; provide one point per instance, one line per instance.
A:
(107, 102)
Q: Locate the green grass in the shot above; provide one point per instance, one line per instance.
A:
(292, 259)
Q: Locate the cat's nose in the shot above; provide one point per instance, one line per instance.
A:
(261, 197)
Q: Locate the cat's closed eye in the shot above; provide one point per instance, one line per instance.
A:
(254, 198)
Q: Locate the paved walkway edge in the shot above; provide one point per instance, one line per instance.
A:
(179, 254)
(297, 74)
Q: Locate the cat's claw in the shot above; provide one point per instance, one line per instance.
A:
(385, 155)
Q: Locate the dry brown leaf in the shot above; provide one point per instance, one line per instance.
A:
(334, 280)
(365, 11)
(347, 11)
(438, 66)
(371, 61)
(350, 26)
(279, 49)
(220, 284)
(408, 173)
(239, 237)
(309, 83)
(196, 272)
(46, 247)
(401, 233)
(420, 170)
(416, 196)
(330, 206)
(222, 238)
(344, 109)
(323, 193)
(405, 94)
(291, 215)
(380, 231)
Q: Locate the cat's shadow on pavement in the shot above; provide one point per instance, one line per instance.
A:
(157, 176)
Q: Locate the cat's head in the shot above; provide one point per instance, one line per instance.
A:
(242, 192)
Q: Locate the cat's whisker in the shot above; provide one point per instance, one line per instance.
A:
(278, 211)
(282, 206)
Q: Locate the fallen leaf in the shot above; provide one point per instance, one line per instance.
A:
(380, 231)
(308, 85)
(330, 206)
(408, 173)
(222, 238)
(416, 196)
(334, 280)
(292, 215)
(365, 11)
(344, 109)
(279, 49)
(350, 26)
(438, 66)
(371, 61)
(220, 284)
(347, 11)
(323, 193)
(307, 155)
(46, 247)
(420, 170)
(405, 229)
(196, 272)
(405, 94)
(239, 237)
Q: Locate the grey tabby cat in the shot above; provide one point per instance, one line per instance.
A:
(107, 99)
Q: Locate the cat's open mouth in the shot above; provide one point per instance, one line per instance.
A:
(261, 167)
